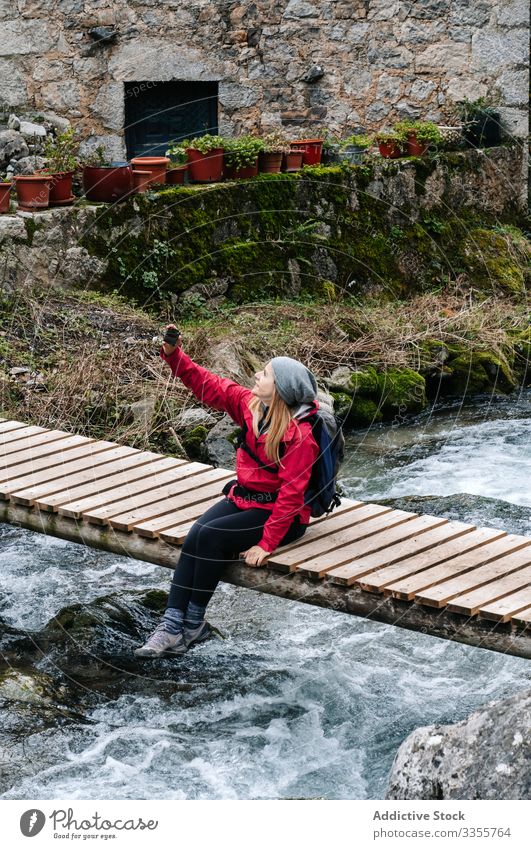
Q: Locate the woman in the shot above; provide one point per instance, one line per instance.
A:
(263, 510)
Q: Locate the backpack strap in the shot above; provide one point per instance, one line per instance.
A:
(241, 442)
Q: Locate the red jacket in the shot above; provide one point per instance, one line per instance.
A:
(301, 451)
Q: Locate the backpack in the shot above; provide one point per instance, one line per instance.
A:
(322, 493)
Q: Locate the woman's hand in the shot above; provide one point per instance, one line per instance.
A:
(255, 555)
(169, 349)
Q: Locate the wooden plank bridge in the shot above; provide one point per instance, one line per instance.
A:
(445, 578)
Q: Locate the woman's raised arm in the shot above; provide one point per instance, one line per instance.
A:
(220, 393)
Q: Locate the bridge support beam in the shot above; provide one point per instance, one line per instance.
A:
(494, 636)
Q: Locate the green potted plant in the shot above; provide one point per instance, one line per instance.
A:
(482, 123)
(352, 148)
(241, 157)
(390, 143)
(178, 164)
(419, 136)
(61, 155)
(275, 146)
(205, 158)
(5, 190)
(330, 149)
(104, 181)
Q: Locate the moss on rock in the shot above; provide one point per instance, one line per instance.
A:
(491, 263)
(402, 390)
(193, 441)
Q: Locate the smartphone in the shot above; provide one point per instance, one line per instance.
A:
(171, 336)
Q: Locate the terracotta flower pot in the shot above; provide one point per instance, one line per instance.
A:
(175, 176)
(270, 163)
(292, 161)
(158, 166)
(141, 180)
(205, 167)
(244, 173)
(33, 192)
(312, 150)
(414, 147)
(5, 189)
(389, 150)
(107, 184)
(61, 189)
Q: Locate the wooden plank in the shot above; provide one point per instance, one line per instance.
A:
(394, 579)
(8, 426)
(387, 528)
(131, 478)
(471, 581)
(90, 463)
(334, 524)
(164, 513)
(392, 554)
(354, 525)
(320, 567)
(504, 609)
(47, 450)
(40, 472)
(462, 564)
(154, 528)
(469, 603)
(13, 436)
(137, 470)
(144, 492)
(523, 617)
(31, 444)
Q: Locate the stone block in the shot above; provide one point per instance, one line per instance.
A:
(8, 10)
(514, 87)
(23, 37)
(31, 131)
(148, 59)
(301, 9)
(422, 89)
(513, 13)
(60, 98)
(12, 227)
(427, 9)
(109, 105)
(46, 71)
(385, 10)
(492, 50)
(465, 13)
(465, 88)
(445, 56)
(389, 87)
(515, 121)
(13, 90)
(233, 96)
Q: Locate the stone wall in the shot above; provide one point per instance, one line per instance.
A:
(394, 227)
(292, 63)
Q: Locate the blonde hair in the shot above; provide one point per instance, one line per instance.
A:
(278, 419)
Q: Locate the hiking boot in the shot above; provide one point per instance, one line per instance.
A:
(204, 631)
(161, 643)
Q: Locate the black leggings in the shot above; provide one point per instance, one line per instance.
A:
(216, 539)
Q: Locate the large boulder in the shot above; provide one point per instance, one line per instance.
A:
(487, 756)
(219, 446)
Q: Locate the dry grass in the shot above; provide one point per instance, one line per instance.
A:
(97, 355)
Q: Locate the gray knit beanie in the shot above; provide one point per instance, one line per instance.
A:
(294, 382)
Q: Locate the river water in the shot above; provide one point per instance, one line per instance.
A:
(296, 702)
